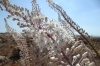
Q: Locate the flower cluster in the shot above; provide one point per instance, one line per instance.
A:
(62, 47)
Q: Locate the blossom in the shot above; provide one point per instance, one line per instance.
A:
(85, 54)
(77, 48)
(84, 61)
(48, 34)
(92, 64)
(75, 58)
(50, 64)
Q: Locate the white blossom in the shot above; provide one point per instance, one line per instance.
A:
(67, 50)
(85, 54)
(87, 63)
(75, 44)
(84, 61)
(53, 58)
(50, 64)
(75, 58)
(77, 48)
(92, 64)
(77, 64)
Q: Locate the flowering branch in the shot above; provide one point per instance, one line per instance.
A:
(51, 40)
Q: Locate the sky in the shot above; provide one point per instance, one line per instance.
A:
(85, 13)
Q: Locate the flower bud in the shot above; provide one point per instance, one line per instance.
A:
(84, 54)
(92, 64)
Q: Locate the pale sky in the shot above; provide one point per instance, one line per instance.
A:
(86, 13)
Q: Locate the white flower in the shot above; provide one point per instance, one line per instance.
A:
(77, 64)
(52, 53)
(67, 50)
(50, 64)
(71, 40)
(41, 35)
(62, 62)
(49, 43)
(62, 40)
(40, 39)
(51, 26)
(92, 64)
(53, 58)
(77, 48)
(75, 58)
(75, 44)
(87, 63)
(68, 65)
(56, 48)
(78, 55)
(85, 60)
(85, 54)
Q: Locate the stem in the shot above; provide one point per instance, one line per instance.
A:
(66, 58)
(60, 10)
(85, 39)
